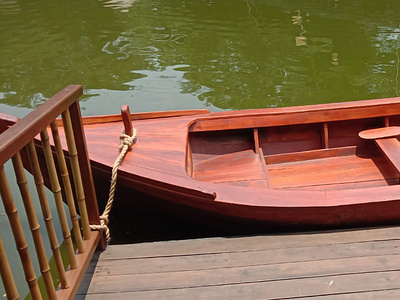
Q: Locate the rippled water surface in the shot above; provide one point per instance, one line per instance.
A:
(178, 54)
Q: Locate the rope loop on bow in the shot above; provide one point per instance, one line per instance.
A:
(126, 143)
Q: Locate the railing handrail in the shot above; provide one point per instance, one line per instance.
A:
(18, 135)
(29, 137)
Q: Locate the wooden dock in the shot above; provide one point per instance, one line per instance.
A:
(356, 264)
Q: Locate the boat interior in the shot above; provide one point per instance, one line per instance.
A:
(309, 156)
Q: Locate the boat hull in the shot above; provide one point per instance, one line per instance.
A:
(301, 167)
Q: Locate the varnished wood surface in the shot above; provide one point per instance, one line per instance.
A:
(337, 171)
(379, 133)
(391, 149)
(358, 264)
(272, 173)
(297, 115)
(18, 135)
(143, 116)
(237, 166)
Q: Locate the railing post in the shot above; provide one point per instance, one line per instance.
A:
(19, 237)
(86, 170)
(67, 186)
(34, 225)
(56, 189)
(46, 212)
(6, 274)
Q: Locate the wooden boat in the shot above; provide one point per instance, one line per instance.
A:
(318, 165)
(293, 166)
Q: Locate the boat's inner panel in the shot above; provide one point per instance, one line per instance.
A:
(307, 156)
(291, 138)
(210, 144)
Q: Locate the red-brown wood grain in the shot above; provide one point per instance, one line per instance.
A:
(391, 149)
(379, 133)
(127, 120)
(285, 166)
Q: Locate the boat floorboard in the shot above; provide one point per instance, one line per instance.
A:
(353, 264)
(338, 171)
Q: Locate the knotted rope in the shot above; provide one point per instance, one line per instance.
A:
(125, 145)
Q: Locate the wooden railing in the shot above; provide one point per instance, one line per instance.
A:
(26, 143)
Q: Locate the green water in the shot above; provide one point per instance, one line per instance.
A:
(178, 54)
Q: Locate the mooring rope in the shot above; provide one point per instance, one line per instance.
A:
(125, 145)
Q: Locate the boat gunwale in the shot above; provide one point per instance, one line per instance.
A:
(257, 118)
(101, 119)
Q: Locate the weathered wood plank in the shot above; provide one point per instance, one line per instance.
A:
(299, 287)
(87, 278)
(237, 244)
(246, 258)
(388, 294)
(112, 282)
(347, 264)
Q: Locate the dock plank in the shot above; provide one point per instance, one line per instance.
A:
(248, 243)
(355, 264)
(109, 282)
(286, 289)
(246, 258)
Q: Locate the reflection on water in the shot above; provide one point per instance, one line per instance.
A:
(122, 5)
(164, 90)
(180, 54)
(233, 54)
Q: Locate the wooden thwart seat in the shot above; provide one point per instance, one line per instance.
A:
(380, 133)
(386, 139)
